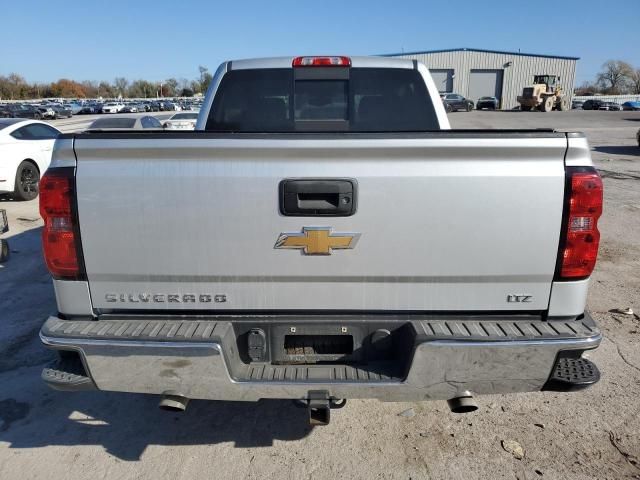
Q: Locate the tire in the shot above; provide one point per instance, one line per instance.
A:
(38, 116)
(469, 106)
(547, 105)
(448, 108)
(4, 251)
(27, 179)
(563, 105)
(525, 108)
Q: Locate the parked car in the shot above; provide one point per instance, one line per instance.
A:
(88, 109)
(61, 111)
(112, 107)
(154, 107)
(577, 105)
(18, 110)
(126, 123)
(45, 112)
(592, 104)
(129, 108)
(171, 106)
(491, 103)
(632, 105)
(92, 108)
(610, 106)
(181, 121)
(454, 102)
(25, 151)
(446, 264)
(75, 107)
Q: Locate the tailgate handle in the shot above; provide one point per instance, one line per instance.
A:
(321, 198)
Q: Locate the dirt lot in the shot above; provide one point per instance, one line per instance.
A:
(594, 434)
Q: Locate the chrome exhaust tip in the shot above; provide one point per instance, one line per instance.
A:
(463, 404)
(173, 402)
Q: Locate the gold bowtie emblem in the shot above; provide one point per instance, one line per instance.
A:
(317, 240)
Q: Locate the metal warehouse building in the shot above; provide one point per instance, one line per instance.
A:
(475, 73)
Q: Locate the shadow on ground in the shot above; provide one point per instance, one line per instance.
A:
(633, 150)
(33, 416)
(125, 424)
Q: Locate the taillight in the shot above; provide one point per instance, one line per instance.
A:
(580, 232)
(321, 62)
(60, 235)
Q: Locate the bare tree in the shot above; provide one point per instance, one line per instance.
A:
(634, 81)
(203, 71)
(121, 84)
(614, 76)
(587, 88)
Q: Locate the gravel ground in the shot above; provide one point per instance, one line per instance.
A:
(593, 434)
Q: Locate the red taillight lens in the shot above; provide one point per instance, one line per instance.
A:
(321, 62)
(60, 234)
(582, 236)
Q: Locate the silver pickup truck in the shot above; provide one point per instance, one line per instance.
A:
(322, 235)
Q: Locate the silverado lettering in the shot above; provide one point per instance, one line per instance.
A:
(162, 298)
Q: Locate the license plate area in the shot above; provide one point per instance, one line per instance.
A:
(317, 348)
(374, 345)
(309, 344)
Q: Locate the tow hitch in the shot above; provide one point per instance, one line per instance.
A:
(319, 406)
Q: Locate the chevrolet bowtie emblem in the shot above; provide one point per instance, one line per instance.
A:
(317, 240)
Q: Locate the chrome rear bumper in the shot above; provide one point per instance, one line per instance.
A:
(199, 359)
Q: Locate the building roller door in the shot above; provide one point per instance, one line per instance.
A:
(485, 83)
(443, 80)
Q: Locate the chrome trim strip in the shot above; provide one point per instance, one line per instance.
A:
(78, 342)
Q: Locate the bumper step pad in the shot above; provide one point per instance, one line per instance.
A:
(68, 375)
(570, 374)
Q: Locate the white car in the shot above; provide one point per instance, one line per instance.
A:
(25, 153)
(112, 107)
(181, 121)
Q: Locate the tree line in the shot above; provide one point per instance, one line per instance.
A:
(616, 77)
(16, 87)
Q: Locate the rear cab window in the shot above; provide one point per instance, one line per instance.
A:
(322, 99)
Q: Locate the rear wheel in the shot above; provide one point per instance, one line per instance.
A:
(563, 105)
(448, 108)
(27, 179)
(469, 106)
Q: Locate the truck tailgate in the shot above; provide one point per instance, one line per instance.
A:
(446, 222)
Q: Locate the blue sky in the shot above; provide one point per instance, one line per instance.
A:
(90, 40)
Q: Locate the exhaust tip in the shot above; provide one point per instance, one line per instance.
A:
(171, 402)
(462, 404)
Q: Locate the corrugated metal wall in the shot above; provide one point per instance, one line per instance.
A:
(516, 76)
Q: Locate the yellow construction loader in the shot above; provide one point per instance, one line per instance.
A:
(545, 95)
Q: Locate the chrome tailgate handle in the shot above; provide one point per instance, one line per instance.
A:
(318, 197)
